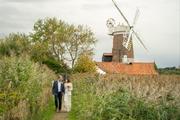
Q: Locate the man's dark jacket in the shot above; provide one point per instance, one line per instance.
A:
(55, 87)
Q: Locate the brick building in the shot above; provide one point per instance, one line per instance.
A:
(121, 60)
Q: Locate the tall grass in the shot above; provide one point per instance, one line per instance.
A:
(121, 97)
(24, 88)
(47, 112)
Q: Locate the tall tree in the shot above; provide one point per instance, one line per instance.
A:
(81, 40)
(64, 41)
(49, 33)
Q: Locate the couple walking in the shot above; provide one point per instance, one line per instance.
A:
(62, 90)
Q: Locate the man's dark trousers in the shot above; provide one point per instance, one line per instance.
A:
(58, 100)
(57, 94)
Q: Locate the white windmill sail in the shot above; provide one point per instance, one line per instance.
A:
(127, 45)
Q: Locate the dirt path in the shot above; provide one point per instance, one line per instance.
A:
(60, 116)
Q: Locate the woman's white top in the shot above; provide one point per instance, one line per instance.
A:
(68, 88)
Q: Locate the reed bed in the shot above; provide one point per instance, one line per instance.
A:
(124, 97)
(25, 88)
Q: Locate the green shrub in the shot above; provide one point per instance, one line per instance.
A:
(169, 71)
(25, 87)
(84, 64)
(14, 44)
(56, 66)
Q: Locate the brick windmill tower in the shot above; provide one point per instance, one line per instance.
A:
(122, 38)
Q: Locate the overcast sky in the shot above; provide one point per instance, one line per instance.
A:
(158, 23)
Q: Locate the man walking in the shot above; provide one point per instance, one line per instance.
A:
(58, 91)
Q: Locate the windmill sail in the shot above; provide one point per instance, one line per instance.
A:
(121, 13)
(136, 17)
(137, 36)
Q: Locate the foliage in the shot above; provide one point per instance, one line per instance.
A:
(39, 52)
(85, 64)
(169, 71)
(53, 42)
(80, 41)
(64, 41)
(46, 113)
(57, 67)
(120, 97)
(14, 44)
(24, 87)
(48, 36)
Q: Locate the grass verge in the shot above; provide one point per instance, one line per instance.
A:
(47, 113)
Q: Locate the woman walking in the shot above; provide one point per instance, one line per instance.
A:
(67, 95)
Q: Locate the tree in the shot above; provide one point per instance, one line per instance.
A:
(85, 64)
(49, 34)
(64, 41)
(81, 41)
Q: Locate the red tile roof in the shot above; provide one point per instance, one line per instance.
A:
(134, 68)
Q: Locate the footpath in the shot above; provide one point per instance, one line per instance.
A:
(60, 116)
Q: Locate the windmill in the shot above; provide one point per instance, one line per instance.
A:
(122, 41)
